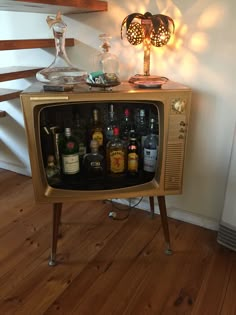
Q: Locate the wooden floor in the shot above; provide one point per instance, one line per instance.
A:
(106, 266)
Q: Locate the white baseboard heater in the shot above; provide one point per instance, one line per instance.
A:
(227, 229)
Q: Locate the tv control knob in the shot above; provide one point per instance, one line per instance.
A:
(178, 105)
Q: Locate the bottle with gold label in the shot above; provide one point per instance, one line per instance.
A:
(132, 155)
(116, 154)
(96, 131)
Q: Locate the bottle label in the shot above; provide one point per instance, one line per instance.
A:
(95, 164)
(117, 159)
(70, 163)
(133, 162)
(70, 145)
(150, 159)
(97, 135)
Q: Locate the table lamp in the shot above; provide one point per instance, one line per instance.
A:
(150, 30)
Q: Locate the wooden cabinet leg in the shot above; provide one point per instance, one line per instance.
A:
(164, 221)
(152, 207)
(57, 208)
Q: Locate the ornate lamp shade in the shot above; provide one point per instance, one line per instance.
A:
(150, 30)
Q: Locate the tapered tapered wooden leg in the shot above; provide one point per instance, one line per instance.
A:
(152, 207)
(164, 221)
(57, 208)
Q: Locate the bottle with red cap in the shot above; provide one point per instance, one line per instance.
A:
(126, 125)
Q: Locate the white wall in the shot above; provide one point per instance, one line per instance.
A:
(200, 55)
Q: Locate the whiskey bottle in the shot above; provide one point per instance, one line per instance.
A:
(151, 149)
(94, 167)
(132, 155)
(97, 132)
(69, 154)
(116, 154)
(52, 171)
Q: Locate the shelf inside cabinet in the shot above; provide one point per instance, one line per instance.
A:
(32, 43)
(53, 6)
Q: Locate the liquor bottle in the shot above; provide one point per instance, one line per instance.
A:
(46, 137)
(96, 131)
(69, 154)
(94, 167)
(126, 125)
(111, 123)
(132, 155)
(56, 135)
(151, 149)
(79, 132)
(52, 171)
(116, 154)
(141, 128)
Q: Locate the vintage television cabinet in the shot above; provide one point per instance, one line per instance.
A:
(170, 104)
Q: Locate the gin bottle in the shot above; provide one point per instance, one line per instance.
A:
(70, 154)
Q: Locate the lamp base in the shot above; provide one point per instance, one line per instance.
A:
(146, 78)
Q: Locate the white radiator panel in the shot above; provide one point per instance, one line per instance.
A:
(227, 229)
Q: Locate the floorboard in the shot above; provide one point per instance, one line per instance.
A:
(106, 266)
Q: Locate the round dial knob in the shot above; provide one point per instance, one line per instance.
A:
(178, 105)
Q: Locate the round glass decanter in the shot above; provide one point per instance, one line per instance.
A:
(61, 71)
(106, 61)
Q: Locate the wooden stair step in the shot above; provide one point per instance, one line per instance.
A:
(53, 6)
(8, 94)
(2, 113)
(32, 43)
(14, 73)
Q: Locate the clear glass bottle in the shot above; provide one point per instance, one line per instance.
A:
(52, 171)
(61, 71)
(111, 123)
(116, 154)
(69, 154)
(105, 61)
(151, 149)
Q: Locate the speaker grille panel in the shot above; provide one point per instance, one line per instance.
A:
(174, 166)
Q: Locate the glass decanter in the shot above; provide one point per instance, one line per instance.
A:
(61, 70)
(106, 62)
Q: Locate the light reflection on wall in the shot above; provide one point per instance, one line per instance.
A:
(191, 39)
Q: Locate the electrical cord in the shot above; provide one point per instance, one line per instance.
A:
(113, 214)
